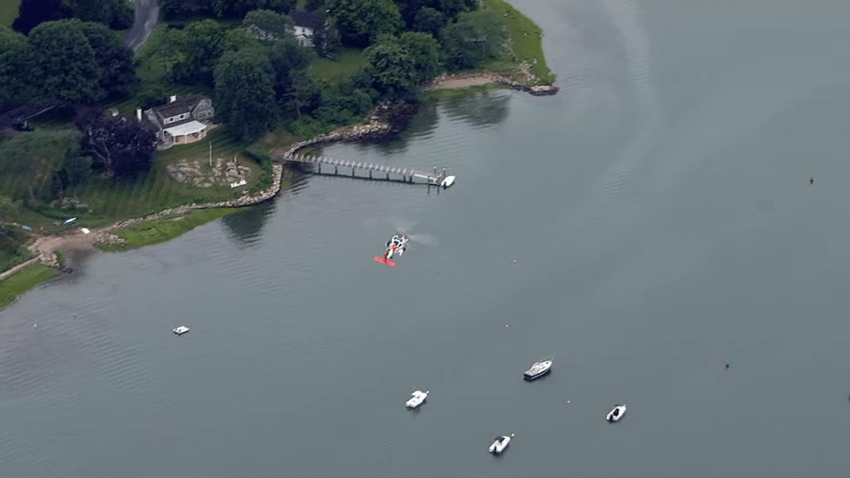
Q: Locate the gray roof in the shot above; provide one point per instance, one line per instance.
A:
(303, 18)
(184, 104)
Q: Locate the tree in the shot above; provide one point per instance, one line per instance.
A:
(287, 57)
(15, 63)
(64, 63)
(238, 8)
(123, 147)
(116, 14)
(267, 25)
(326, 38)
(449, 9)
(304, 93)
(425, 51)
(35, 12)
(201, 44)
(429, 20)
(117, 72)
(361, 22)
(244, 92)
(473, 38)
(392, 70)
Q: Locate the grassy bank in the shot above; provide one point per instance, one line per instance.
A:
(161, 230)
(9, 11)
(526, 42)
(23, 281)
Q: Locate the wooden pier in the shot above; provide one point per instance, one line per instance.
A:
(374, 171)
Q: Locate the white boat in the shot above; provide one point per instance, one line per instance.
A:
(616, 413)
(539, 369)
(180, 330)
(500, 443)
(418, 399)
(447, 181)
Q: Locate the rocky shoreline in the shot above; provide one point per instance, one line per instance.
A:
(483, 77)
(385, 120)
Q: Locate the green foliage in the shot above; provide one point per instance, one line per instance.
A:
(398, 66)
(15, 60)
(115, 60)
(121, 146)
(474, 38)
(287, 58)
(64, 63)
(448, 9)
(172, 9)
(117, 14)
(361, 22)
(23, 281)
(429, 20)
(245, 96)
(526, 39)
(34, 12)
(263, 158)
(200, 44)
(268, 25)
(326, 38)
(27, 162)
(154, 232)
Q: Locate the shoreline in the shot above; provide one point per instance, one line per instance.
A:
(385, 120)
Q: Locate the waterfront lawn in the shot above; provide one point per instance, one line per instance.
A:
(346, 62)
(161, 230)
(23, 281)
(8, 11)
(526, 42)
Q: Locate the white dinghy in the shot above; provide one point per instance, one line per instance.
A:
(616, 413)
(500, 443)
(417, 399)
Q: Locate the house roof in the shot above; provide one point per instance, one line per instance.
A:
(303, 18)
(184, 104)
(188, 127)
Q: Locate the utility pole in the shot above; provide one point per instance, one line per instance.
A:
(210, 153)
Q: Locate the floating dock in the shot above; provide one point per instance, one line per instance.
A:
(367, 170)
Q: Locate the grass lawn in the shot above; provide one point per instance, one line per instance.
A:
(154, 232)
(344, 64)
(526, 40)
(23, 281)
(8, 11)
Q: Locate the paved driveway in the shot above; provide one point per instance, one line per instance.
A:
(147, 16)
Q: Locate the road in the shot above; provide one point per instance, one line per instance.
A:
(147, 16)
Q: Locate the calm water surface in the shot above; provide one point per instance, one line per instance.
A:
(662, 223)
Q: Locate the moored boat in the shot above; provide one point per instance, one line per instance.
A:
(539, 369)
(417, 399)
(616, 413)
(500, 444)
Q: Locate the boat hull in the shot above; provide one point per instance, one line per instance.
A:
(530, 377)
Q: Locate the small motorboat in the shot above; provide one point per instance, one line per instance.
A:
(417, 399)
(397, 244)
(616, 413)
(539, 369)
(447, 182)
(180, 330)
(500, 443)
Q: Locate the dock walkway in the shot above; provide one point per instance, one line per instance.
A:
(374, 171)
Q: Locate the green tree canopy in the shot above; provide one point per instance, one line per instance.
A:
(64, 63)
(117, 14)
(244, 92)
(35, 12)
(122, 146)
(200, 45)
(392, 70)
(267, 25)
(429, 20)
(287, 57)
(361, 22)
(115, 60)
(473, 38)
(15, 64)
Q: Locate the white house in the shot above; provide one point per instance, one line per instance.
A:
(305, 24)
(180, 121)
